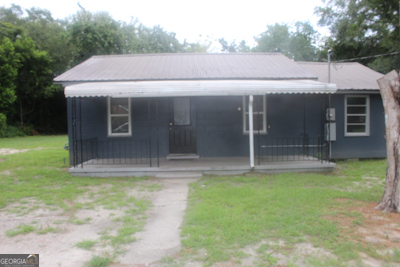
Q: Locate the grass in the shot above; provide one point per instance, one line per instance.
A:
(226, 214)
(21, 229)
(98, 261)
(86, 244)
(40, 173)
(38, 179)
(46, 230)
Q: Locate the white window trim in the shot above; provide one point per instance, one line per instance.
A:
(246, 116)
(367, 120)
(109, 115)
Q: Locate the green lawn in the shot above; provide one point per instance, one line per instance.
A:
(37, 177)
(226, 214)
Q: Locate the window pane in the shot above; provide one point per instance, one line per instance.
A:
(356, 119)
(356, 128)
(258, 103)
(182, 111)
(119, 106)
(356, 101)
(356, 110)
(120, 124)
(258, 123)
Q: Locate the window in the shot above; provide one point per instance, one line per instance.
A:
(356, 115)
(119, 117)
(259, 114)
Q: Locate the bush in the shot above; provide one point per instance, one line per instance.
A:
(10, 131)
(3, 122)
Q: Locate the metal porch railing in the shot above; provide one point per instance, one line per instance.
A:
(95, 152)
(292, 149)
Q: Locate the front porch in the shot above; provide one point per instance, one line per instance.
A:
(197, 167)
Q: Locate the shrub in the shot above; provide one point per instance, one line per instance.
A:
(10, 131)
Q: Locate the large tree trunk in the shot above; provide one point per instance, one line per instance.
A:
(390, 91)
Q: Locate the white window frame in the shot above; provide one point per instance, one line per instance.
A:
(109, 116)
(246, 115)
(367, 116)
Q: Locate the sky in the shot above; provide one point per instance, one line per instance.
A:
(193, 20)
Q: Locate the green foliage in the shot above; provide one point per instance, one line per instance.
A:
(21, 229)
(363, 28)
(46, 230)
(94, 34)
(233, 212)
(233, 47)
(86, 244)
(38, 24)
(8, 131)
(98, 261)
(9, 63)
(3, 122)
(298, 42)
(396, 255)
(155, 40)
(34, 79)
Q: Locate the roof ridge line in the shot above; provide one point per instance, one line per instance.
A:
(190, 54)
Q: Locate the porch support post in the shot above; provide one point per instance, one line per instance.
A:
(251, 132)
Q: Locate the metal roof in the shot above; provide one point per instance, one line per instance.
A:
(197, 88)
(347, 76)
(187, 66)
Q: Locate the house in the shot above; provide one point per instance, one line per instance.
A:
(360, 122)
(218, 113)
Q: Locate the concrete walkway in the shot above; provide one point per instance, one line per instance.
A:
(161, 236)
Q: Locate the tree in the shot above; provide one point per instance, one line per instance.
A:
(93, 34)
(8, 74)
(390, 91)
(362, 28)
(298, 42)
(49, 35)
(38, 24)
(242, 47)
(233, 47)
(34, 79)
(226, 47)
(31, 32)
(156, 40)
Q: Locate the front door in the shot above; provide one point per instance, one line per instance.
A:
(182, 126)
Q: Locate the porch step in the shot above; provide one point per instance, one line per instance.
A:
(179, 175)
(182, 156)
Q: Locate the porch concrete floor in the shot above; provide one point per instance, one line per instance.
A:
(216, 166)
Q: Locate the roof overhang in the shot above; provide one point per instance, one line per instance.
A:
(198, 88)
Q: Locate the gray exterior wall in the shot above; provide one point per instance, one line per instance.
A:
(219, 130)
(220, 123)
(372, 146)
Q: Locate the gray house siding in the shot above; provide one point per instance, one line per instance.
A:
(220, 127)
(372, 146)
(219, 122)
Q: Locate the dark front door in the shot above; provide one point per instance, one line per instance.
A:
(182, 126)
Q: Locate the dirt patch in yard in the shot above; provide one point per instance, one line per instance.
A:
(29, 226)
(8, 151)
(96, 227)
(361, 222)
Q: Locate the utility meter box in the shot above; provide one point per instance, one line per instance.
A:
(331, 112)
(330, 131)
